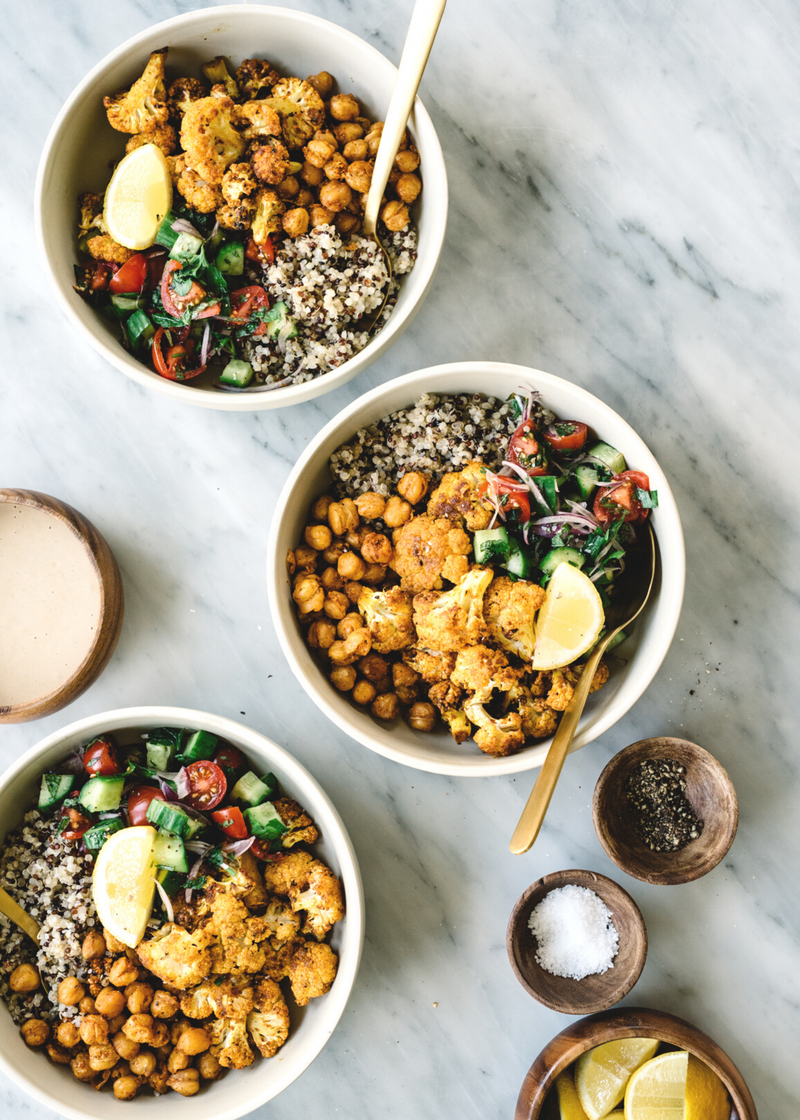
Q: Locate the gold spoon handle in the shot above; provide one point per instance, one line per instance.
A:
(14, 911)
(422, 30)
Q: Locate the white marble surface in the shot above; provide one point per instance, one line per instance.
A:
(624, 213)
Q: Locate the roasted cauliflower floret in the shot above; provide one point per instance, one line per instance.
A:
(91, 211)
(433, 665)
(209, 138)
(509, 608)
(456, 720)
(257, 119)
(300, 826)
(421, 549)
(182, 93)
(267, 220)
(483, 671)
(311, 886)
(200, 195)
(388, 618)
(563, 681)
(226, 997)
(300, 107)
(163, 136)
(237, 215)
(176, 956)
(230, 1043)
(270, 161)
(268, 1022)
(254, 76)
(217, 73)
(457, 496)
(282, 922)
(497, 736)
(311, 971)
(238, 182)
(103, 247)
(143, 107)
(538, 720)
(453, 620)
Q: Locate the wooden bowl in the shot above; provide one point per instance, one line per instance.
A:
(61, 608)
(593, 993)
(627, 1022)
(709, 791)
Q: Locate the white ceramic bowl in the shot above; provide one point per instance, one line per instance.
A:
(438, 752)
(241, 1090)
(81, 146)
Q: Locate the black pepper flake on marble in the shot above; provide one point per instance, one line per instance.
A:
(662, 816)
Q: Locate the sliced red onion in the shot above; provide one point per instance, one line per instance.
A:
(192, 873)
(199, 847)
(182, 784)
(180, 225)
(236, 847)
(205, 345)
(167, 790)
(529, 483)
(73, 764)
(166, 900)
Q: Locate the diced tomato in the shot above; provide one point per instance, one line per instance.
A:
(131, 276)
(510, 494)
(139, 801)
(101, 276)
(245, 301)
(619, 502)
(231, 822)
(173, 364)
(261, 850)
(100, 757)
(207, 785)
(264, 253)
(566, 435)
(524, 449)
(229, 758)
(175, 303)
(78, 823)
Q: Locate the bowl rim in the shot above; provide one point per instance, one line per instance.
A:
(290, 394)
(350, 873)
(483, 766)
(627, 1022)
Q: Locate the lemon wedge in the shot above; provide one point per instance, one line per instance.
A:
(569, 621)
(706, 1096)
(657, 1090)
(123, 883)
(569, 1105)
(138, 197)
(602, 1073)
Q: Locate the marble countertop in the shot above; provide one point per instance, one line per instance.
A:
(625, 214)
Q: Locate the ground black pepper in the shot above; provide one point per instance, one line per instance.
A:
(662, 816)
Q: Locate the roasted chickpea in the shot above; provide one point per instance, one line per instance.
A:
(395, 215)
(335, 195)
(295, 222)
(158, 1079)
(364, 692)
(139, 997)
(346, 223)
(313, 175)
(317, 153)
(358, 175)
(407, 160)
(352, 590)
(139, 1028)
(318, 537)
(422, 716)
(373, 138)
(358, 644)
(308, 594)
(331, 580)
(375, 573)
(336, 604)
(93, 1030)
(159, 1036)
(336, 167)
(306, 559)
(124, 1046)
(80, 1066)
(116, 1023)
(370, 505)
(376, 548)
(102, 1055)
(58, 1054)
(322, 634)
(343, 677)
(344, 107)
(25, 978)
(403, 676)
(350, 566)
(413, 486)
(126, 1087)
(291, 563)
(113, 944)
(164, 1005)
(185, 1081)
(178, 1059)
(343, 516)
(109, 1002)
(408, 188)
(348, 131)
(322, 83)
(320, 215)
(386, 706)
(87, 1006)
(332, 554)
(288, 188)
(208, 1067)
(70, 990)
(349, 625)
(123, 972)
(304, 200)
(35, 1032)
(194, 1040)
(397, 512)
(374, 667)
(143, 1064)
(355, 150)
(67, 1034)
(94, 946)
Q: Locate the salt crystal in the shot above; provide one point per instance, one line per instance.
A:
(575, 933)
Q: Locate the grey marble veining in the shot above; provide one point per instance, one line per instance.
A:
(624, 213)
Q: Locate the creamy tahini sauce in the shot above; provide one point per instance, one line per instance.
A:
(49, 603)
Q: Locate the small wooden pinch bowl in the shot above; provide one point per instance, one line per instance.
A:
(593, 993)
(627, 1022)
(62, 611)
(709, 791)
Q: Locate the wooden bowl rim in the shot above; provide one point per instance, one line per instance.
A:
(669, 876)
(571, 877)
(109, 622)
(629, 1022)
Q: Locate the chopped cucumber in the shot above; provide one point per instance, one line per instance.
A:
(230, 258)
(278, 321)
(548, 487)
(168, 817)
(95, 837)
(200, 745)
(171, 881)
(128, 301)
(609, 457)
(558, 556)
(102, 793)
(237, 372)
(55, 788)
(586, 479)
(166, 235)
(186, 246)
(169, 852)
(250, 789)
(617, 640)
(491, 544)
(520, 563)
(140, 329)
(163, 745)
(270, 781)
(264, 821)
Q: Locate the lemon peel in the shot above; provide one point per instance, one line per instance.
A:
(602, 1073)
(569, 621)
(138, 197)
(123, 885)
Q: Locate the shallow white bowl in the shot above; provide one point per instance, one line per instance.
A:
(240, 1091)
(81, 146)
(437, 752)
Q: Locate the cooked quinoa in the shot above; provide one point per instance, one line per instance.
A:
(51, 879)
(438, 434)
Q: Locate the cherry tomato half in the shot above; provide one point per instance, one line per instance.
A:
(524, 449)
(261, 850)
(139, 802)
(101, 757)
(207, 785)
(131, 276)
(229, 758)
(172, 365)
(245, 301)
(264, 253)
(78, 823)
(566, 435)
(510, 494)
(175, 303)
(231, 822)
(619, 502)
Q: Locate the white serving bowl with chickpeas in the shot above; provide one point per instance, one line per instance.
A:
(401, 732)
(241, 1090)
(81, 147)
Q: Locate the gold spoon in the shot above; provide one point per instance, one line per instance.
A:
(422, 30)
(633, 592)
(14, 911)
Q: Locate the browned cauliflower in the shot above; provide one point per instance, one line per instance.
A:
(453, 620)
(230, 1043)
(176, 166)
(227, 996)
(300, 107)
(254, 76)
(209, 138)
(432, 665)
(311, 886)
(509, 608)
(496, 736)
(268, 1022)
(256, 119)
(456, 720)
(457, 496)
(421, 549)
(563, 681)
(216, 71)
(237, 215)
(182, 93)
(282, 922)
(267, 220)
(388, 618)
(143, 107)
(300, 826)
(482, 670)
(163, 136)
(311, 971)
(270, 161)
(176, 956)
(238, 182)
(91, 212)
(200, 195)
(103, 247)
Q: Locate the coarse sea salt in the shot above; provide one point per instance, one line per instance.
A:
(575, 933)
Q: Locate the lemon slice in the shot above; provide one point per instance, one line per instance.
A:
(138, 197)
(123, 883)
(602, 1073)
(657, 1090)
(706, 1096)
(569, 1105)
(569, 620)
